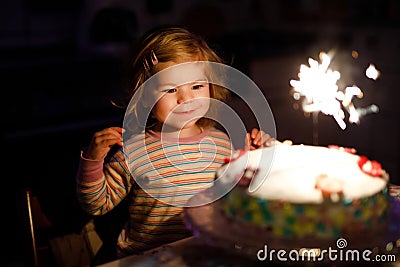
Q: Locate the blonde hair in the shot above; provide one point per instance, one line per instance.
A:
(170, 44)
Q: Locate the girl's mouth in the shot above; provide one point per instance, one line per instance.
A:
(186, 112)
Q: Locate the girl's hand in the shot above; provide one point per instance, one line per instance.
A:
(258, 139)
(102, 142)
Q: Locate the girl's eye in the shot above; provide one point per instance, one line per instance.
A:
(197, 86)
(171, 90)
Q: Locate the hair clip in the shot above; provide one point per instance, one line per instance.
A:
(154, 61)
(146, 64)
(153, 57)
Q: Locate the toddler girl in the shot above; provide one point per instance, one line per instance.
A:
(171, 146)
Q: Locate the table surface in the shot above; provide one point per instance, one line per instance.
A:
(193, 251)
(201, 252)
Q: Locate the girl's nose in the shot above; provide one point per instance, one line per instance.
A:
(184, 94)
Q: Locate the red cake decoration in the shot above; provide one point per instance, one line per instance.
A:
(370, 167)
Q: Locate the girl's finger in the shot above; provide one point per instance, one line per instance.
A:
(248, 140)
(254, 133)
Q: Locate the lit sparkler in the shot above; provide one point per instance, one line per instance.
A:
(317, 83)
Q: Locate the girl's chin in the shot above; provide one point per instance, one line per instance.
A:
(180, 127)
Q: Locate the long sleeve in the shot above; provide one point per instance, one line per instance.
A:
(159, 177)
(102, 185)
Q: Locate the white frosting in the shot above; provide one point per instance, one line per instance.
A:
(289, 173)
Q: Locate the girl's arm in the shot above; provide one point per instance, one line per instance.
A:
(101, 186)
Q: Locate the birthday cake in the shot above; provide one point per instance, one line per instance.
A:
(301, 191)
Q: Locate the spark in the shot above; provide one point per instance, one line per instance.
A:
(371, 72)
(318, 85)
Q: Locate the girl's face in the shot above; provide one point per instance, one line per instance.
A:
(183, 94)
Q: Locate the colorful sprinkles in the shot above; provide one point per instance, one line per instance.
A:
(326, 220)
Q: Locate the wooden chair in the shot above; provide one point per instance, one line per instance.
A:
(37, 232)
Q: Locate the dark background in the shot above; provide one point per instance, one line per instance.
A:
(62, 62)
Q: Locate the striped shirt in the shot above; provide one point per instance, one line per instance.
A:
(159, 175)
